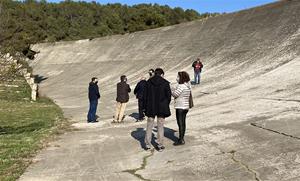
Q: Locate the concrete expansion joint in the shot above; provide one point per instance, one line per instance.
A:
(274, 131)
(255, 175)
(248, 169)
(280, 99)
(142, 167)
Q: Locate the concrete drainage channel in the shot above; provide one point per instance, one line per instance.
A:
(142, 167)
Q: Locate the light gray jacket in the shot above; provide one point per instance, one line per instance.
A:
(182, 94)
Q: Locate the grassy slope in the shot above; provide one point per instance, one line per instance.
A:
(24, 127)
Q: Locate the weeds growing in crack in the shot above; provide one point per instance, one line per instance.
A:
(232, 152)
(142, 167)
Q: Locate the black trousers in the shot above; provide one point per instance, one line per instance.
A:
(181, 116)
(141, 109)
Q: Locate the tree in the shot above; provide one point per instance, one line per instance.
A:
(31, 21)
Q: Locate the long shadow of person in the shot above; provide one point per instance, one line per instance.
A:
(134, 115)
(139, 134)
(193, 83)
(169, 133)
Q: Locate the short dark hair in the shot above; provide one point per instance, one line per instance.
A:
(159, 71)
(123, 77)
(94, 78)
(183, 77)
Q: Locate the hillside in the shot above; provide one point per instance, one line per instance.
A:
(28, 22)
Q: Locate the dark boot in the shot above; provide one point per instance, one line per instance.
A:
(179, 142)
(181, 116)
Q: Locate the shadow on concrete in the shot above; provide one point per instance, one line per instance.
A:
(139, 135)
(169, 133)
(134, 115)
(193, 82)
(39, 78)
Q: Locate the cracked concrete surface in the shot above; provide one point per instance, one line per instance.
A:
(142, 167)
(251, 77)
(274, 131)
(255, 175)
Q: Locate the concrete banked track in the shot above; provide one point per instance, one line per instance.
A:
(246, 119)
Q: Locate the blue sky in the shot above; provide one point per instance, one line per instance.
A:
(199, 5)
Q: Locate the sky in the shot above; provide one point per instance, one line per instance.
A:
(201, 6)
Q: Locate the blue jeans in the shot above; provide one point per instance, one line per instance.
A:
(197, 77)
(92, 111)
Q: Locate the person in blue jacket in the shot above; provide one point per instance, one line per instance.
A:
(94, 95)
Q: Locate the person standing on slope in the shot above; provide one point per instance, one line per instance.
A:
(94, 95)
(197, 65)
(123, 90)
(182, 94)
(139, 92)
(157, 100)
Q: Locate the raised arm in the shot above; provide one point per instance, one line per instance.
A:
(176, 93)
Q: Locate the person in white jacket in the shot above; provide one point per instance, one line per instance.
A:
(182, 94)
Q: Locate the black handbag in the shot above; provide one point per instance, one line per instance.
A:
(191, 102)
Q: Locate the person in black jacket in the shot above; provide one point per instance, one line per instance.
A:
(139, 92)
(122, 98)
(157, 97)
(94, 95)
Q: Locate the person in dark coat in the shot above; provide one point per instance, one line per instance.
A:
(157, 97)
(123, 90)
(94, 95)
(197, 65)
(139, 92)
